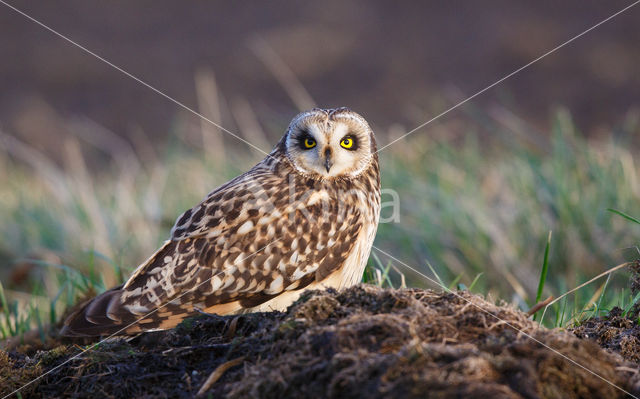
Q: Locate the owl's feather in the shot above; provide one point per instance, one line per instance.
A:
(258, 239)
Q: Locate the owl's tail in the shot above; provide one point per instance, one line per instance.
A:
(94, 316)
(127, 310)
(105, 315)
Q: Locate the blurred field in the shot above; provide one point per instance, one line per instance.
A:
(394, 63)
(94, 168)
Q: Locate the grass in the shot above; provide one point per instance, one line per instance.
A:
(477, 202)
(624, 215)
(544, 271)
(486, 202)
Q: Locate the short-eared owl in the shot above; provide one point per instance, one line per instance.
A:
(304, 217)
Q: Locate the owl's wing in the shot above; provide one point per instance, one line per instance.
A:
(248, 242)
(223, 207)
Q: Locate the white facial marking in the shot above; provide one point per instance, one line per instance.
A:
(339, 131)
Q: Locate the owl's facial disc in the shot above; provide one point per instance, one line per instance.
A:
(329, 145)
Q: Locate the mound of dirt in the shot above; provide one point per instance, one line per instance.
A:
(363, 342)
(616, 331)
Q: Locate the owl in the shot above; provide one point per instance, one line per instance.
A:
(303, 218)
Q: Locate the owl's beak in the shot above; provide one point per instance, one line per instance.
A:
(327, 160)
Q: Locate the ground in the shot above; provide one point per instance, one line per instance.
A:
(363, 342)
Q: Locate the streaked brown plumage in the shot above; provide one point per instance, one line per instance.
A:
(304, 217)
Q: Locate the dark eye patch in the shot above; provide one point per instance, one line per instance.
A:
(351, 142)
(302, 137)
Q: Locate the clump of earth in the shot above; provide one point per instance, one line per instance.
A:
(364, 342)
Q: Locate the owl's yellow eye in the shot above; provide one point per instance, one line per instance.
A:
(309, 143)
(347, 143)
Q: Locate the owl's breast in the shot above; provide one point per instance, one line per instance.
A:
(348, 216)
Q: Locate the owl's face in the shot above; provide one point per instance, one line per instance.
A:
(330, 143)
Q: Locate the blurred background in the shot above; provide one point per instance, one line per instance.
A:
(95, 167)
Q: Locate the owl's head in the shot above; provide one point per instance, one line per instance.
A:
(330, 143)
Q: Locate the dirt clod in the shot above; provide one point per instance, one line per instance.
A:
(618, 331)
(362, 342)
(614, 332)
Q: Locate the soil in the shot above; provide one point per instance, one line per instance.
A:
(617, 332)
(362, 342)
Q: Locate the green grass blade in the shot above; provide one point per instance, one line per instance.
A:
(475, 280)
(543, 273)
(442, 284)
(597, 309)
(624, 215)
(6, 313)
(545, 269)
(631, 304)
(387, 277)
(34, 311)
(4, 303)
(53, 318)
(455, 281)
(13, 308)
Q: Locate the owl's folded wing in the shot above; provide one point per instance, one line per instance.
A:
(246, 258)
(258, 191)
